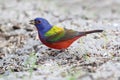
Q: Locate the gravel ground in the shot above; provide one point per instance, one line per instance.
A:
(93, 57)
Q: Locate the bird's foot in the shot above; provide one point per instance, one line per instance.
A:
(56, 52)
(53, 52)
(62, 50)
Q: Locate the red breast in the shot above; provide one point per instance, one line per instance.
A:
(60, 45)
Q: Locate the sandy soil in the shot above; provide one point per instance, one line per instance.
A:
(93, 57)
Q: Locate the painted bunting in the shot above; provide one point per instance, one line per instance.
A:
(57, 37)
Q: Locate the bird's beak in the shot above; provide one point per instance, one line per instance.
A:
(32, 22)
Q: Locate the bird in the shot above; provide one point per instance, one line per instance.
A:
(57, 37)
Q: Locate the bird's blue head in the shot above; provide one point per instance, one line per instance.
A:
(41, 24)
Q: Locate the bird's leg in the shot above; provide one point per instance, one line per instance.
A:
(62, 50)
(56, 52)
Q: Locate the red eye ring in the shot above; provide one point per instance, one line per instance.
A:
(38, 22)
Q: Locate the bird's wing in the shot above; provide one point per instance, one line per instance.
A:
(54, 34)
(57, 34)
(69, 34)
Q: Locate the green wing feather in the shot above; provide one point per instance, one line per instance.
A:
(54, 34)
(69, 34)
(58, 34)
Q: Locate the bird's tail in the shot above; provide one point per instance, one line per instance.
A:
(89, 32)
(93, 31)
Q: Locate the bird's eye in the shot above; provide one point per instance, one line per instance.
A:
(37, 22)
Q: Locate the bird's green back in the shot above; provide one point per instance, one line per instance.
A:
(54, 34)
(58, 34)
